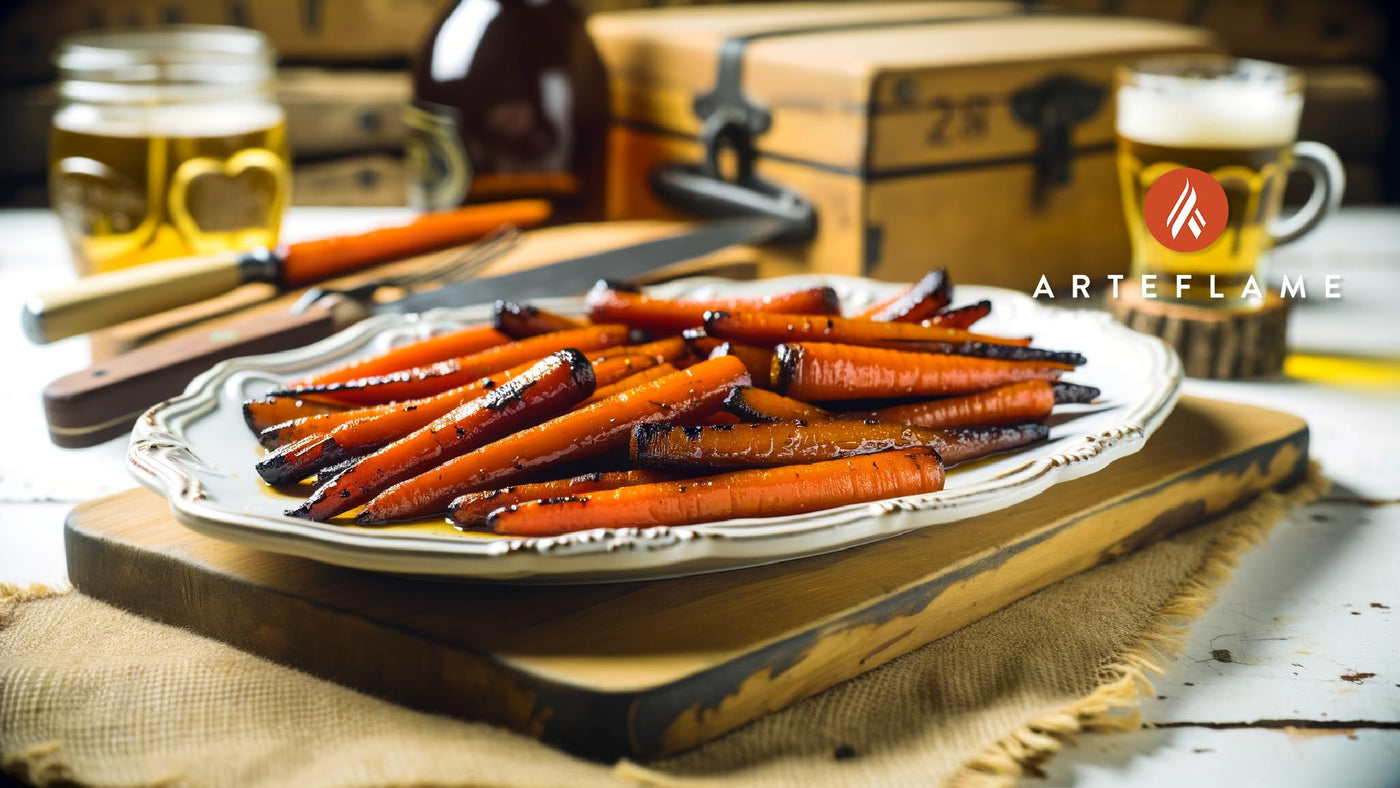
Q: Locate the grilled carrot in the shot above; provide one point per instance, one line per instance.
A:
(718, 419)
(601, 427)
(406, 416)
(384, 424)
(312, 261)
(961, 317)
(1013, 403)
(426, 381)
(724, 448)
(630, 382)
(966, 444)
(471, 509)
(916, 302)
(759, 360)
(754, 404)
(454, 344)
(767, 329)
(671, 350)
(667, 316)
(526, 320)
(259, 414)
(762, 492)
(820, 372)
(550, 387)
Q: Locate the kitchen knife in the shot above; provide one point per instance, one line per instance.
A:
(101, 402)
(107, 299)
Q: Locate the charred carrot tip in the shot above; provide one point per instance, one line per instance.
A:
(1067, 393)
(786, 358)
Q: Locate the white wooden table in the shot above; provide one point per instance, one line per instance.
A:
(1311, 692)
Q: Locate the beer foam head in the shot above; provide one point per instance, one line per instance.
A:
(174, 120)
(1209, 113)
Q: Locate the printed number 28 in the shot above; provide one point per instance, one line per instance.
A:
(967, 119)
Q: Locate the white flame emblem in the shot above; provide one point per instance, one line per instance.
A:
(1186, 213)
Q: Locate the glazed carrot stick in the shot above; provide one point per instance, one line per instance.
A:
(973, 443)
(758, 359)
(821, 372)
(526, 320)
(755, 404)
(601, 427)
(719, 418)
(724, 448)
(1013, 403)
(386, 423)
(630, 382)
(916, 302)
(462, 342)
(1010, 404)
(768, 329)
(259, 414)
(962, 317)
(550, 387)
(313, 261)
(666, 316)
(761, 492)
(763, 329)
(471, 509)
(672, 350)
(426, 381)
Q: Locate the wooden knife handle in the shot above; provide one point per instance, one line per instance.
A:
(104, 300)
(104, 400)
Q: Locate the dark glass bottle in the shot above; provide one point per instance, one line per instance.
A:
(510, 100)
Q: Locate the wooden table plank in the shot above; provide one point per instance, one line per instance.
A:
(1236, 757)
(1306, 629)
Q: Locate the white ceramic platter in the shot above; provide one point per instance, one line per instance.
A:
(196, 451)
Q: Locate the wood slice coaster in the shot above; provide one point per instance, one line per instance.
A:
(1227, 342)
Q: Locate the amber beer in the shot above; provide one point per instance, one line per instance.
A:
(1238, 121)
(168, 143)
(131, 196)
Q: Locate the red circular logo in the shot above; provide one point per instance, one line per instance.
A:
(1186, 210)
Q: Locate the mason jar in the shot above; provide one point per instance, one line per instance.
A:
(167, 142)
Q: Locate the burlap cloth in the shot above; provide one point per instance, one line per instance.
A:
(93, 695)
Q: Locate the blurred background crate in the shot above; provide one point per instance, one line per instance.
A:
(344, 78)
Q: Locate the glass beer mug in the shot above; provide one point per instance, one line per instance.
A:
(167, 142)
(1236, 120)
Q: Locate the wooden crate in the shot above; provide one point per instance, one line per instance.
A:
(923, 133)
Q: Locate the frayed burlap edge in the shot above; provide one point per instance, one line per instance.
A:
(37, 765)
(1114, 704)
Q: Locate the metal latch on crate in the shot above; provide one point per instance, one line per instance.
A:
(1053, 108)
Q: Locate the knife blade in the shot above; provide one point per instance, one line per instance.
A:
(114, 297)
(101, 402)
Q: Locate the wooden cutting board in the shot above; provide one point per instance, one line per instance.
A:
(643, 669)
